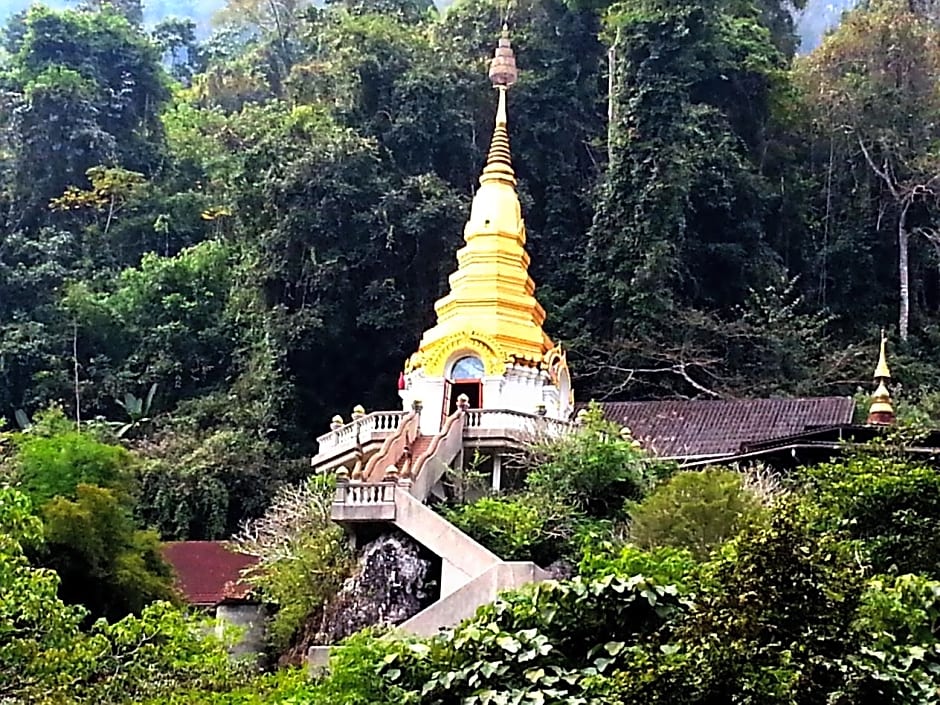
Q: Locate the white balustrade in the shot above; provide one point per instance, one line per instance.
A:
(365, 494)
(360, 431)
(530, 425)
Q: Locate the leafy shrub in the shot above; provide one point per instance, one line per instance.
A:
(163, 640)
(666, 565)
(53, 458)
(771, 622)
(79, 486)
(284, 686)
(206, 485)
(573, 482)
(889, 506)
(515, 527)
(103, 560)
(38, 627)
(592, 470)
(544, 643)
(355, 665)
(696, 511)
(46, 658)
(899, 655)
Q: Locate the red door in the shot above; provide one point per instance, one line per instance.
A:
(448, 394)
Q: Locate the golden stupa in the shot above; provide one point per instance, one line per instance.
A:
(881, 411)
(491, 310)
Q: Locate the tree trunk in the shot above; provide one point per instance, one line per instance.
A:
(78, 388)
(904, 275)
(611, 69)
(611, 94)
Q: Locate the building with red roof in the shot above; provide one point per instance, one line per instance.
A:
(209, 573)
(210, 577)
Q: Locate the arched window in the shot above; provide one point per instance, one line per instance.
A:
(469, 367)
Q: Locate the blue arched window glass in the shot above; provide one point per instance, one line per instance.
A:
(467, 368)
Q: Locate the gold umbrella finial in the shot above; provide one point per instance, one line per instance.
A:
(882, 371)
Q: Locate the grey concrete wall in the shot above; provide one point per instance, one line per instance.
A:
(318, 660)
(362, 513)
(249, 620)
(452, 578)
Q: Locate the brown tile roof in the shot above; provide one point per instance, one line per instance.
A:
(717, 427)
(208, 572)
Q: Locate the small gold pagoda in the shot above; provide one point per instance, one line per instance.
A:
(488, 339)
(881, 411)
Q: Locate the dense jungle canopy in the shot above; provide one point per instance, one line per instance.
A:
(259, 223)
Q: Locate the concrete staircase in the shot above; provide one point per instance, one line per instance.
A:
(471, 575)
(482, 590)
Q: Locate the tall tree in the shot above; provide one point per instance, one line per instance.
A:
(87, 89)
(131, 10)
(274, 26)
(678, 256)
(874, 89)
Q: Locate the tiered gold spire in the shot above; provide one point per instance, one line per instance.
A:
(490, 311)
(881, 411)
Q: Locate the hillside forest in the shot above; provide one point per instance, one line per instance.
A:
(211, 244)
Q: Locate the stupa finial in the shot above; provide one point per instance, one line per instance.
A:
(881, 411)
(882, 371)
(503, 74)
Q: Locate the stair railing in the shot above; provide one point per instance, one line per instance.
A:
(428, 468)
(392, 448)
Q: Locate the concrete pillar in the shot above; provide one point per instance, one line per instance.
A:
(497, 472)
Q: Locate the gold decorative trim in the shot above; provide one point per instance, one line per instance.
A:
(556, 359)
(438, 357)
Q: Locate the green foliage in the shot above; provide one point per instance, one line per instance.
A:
(546, 643)
(696, 511)
(899, 653)
(286, 686)
(92, 88)
(549, 642)
(303, 556)
(771, 621)
(161, 640)
(46, 658)
(665, 564)
(82, 489)
(49, 464)
(253, 243)
(888, 505)
(164, 322)
(516, 527)
(593, 470)
(574, 484)
(355, 666)
(199, 485)
(37, 630)
(103, 560)
(869, 90)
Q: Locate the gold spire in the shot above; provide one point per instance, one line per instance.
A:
(503, 74)
(881, 411)
(499, 160)
(491, 311)
(882, 371)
